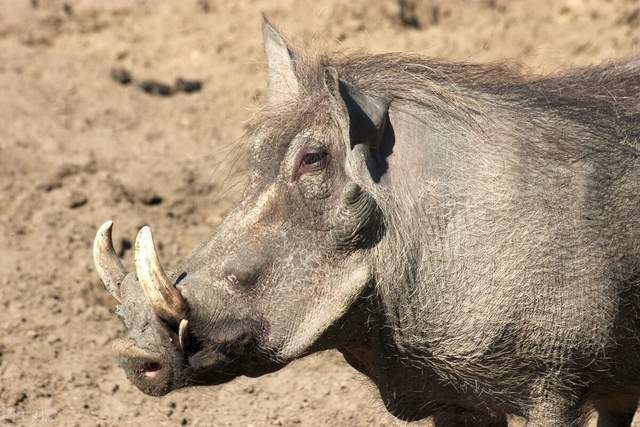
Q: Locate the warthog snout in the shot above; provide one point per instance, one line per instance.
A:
(170, 344)
(150, 372)
(148, 301)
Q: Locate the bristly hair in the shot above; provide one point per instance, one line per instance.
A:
(605, 98)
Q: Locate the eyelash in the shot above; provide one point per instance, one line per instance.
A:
(312, 161)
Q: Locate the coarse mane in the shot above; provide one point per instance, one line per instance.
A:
(605, 98)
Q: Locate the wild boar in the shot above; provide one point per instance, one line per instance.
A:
(467, 237)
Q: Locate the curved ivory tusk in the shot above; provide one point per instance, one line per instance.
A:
(108, 265)
(183, 334)
(164, 298)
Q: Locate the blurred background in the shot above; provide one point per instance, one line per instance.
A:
(80, 144)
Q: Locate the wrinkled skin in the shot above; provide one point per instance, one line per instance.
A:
(471, 268)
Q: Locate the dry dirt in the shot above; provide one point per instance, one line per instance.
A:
(76, 149)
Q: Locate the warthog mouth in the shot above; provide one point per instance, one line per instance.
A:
(151, 369)
(161, 371)
(153, 373)
(171, 356)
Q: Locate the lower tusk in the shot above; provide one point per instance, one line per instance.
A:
(183, 334)
(108, 265)
(164, 298)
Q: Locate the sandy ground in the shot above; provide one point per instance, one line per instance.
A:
(76, 149)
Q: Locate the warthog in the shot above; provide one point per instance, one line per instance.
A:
(468, 238)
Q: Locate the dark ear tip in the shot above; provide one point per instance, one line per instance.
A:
(270, 32)
(267, 26)
(265, 20)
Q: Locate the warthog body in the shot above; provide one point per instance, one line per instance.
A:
(468, 238)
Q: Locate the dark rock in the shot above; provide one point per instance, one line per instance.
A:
(153, 87)
(77, 199)
(408, 15)
(121, 75)
(125, 245)
(187, 86)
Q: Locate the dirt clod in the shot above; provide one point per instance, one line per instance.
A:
(77, 199)
(121, 75)
(187, 86)
(153, 87)
(20, 399)
(408, 15)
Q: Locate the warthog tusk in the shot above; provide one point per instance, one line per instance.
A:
(183, 334)
(164, 298)
(108, 265)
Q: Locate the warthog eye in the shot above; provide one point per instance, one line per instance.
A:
(312, 162)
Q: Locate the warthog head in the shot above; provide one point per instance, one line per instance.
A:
(288, 264)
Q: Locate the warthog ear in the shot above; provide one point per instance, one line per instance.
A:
(282, 82)
(367, 114)
(365, 118)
